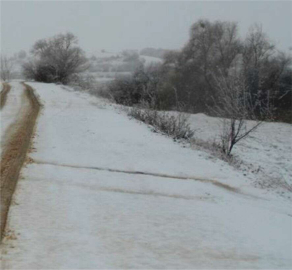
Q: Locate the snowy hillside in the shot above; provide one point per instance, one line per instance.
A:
(265, 155)
(101, 190)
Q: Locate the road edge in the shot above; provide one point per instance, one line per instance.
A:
(3, 94)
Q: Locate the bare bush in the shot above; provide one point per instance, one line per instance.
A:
(55, 59)
(6, 68)
(214, 149)
(142, 86)
(173, 125)
(235, 105)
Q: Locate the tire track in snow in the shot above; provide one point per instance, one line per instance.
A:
(160, 175)
(130, 191)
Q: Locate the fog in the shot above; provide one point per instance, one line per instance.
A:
(115, 26)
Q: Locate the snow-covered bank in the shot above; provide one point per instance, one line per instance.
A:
(70, 212)
(77, 129)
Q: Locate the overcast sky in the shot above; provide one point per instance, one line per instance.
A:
(119, 25)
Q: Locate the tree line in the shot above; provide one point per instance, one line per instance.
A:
(189, 77)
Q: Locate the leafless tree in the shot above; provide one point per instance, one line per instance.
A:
(56, 59)
(6, 68)
(235, 106)
(264, 68)
(21, 54)
(257, 54)
(211, 46)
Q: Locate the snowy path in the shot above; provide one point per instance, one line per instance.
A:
(71, 212)
(11, 111)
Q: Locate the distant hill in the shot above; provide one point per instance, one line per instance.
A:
(152, 52)
(125, 61)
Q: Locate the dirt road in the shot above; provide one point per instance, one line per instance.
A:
(15, 142)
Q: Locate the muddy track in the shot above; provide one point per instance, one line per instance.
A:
(216, 183)
(14, 154)
(3, 94)
(160, 175)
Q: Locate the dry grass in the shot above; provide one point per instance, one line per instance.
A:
(175, 126)
(215, 150)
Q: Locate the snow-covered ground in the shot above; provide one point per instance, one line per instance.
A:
(81, 203)
(267, 152)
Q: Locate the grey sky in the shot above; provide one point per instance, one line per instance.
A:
(118, 25)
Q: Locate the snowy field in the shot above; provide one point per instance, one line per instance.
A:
(83, 201)
(266, 154)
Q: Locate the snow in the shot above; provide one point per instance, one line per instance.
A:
(74, 208)
(150, 60)
(71, 123)
(78, 218)
(10, 112)
(104, 54)
(268, 150)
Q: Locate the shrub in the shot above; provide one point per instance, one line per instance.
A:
(55, 59)
(173, 125)
(124, 91)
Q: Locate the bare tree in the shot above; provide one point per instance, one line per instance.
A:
(257, 54)
(21, 54)
(235, 105)
(264, 68)
(56, 59)
(6, 68)
(211, 46)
